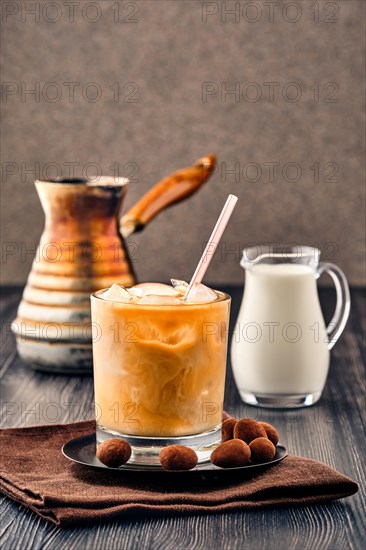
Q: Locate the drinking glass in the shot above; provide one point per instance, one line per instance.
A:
(159, 374)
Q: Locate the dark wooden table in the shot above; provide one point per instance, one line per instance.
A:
(332, 431)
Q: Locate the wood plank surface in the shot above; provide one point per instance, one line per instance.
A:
(332, 431)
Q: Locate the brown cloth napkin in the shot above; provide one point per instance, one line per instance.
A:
(36, 474)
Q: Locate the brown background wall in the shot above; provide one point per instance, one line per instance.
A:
(169, 53)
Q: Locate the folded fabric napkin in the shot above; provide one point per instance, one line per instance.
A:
(36, 474)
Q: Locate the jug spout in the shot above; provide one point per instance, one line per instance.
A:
(278, 254)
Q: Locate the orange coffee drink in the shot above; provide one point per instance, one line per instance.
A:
(159, 366)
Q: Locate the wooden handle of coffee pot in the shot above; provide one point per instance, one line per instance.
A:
(168, 191)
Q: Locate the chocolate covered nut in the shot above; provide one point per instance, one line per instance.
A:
(262, 450)
(114, 452)
(227, 429)
(178, 457)
(225, 416)
(248, 429)
(231, 454)
(271, 432)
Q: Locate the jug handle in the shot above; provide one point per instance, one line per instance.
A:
(170, 190)
(343, 305)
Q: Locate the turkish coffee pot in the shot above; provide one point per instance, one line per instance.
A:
(82, 249)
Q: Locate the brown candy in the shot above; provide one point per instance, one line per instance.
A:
(225, 416)
(114, 452)
(227, 429)
(271, 432)
(231, 454)
(262, 450)
(248, 429)
(178, 457)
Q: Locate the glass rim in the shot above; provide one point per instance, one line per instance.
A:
(223, 298)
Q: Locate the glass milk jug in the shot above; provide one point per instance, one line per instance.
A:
(281, 347)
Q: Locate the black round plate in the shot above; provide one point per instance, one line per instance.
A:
(82, 451)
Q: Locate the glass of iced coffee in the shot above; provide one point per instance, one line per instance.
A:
(159, 366)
